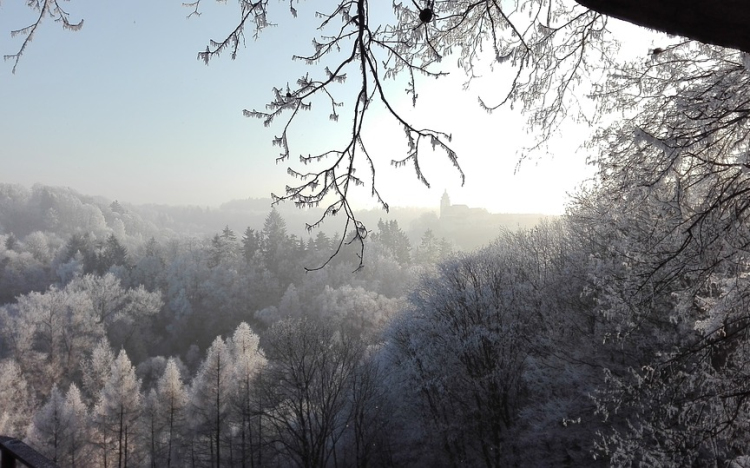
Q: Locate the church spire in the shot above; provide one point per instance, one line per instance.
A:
(445, 203)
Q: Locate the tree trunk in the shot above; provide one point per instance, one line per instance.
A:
(171, 430)
(119, 439)
(218, 413)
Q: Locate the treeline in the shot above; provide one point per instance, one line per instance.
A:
(207, 285)
(305, 400)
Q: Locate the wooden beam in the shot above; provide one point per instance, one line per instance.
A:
(720, 22)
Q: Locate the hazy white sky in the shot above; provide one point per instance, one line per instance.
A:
(124, 109)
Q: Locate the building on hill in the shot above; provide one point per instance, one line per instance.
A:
(471, 228)
(458, 213)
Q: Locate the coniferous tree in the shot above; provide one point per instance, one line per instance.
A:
(11, 242)
(223, 248)
(97, 369)
(394, 241)
(59, 429)
(48, 426)
(322, 242)
(113, 254)
(251, 243)
(116, 415)
(171, 402)
(79, 244)
(274, 239)
(429, 250)
(248, 360)
(76, 416)
(15, 399)
(209, 395)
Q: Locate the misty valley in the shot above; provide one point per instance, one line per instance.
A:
(161, 336)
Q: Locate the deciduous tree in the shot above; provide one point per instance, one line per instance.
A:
(304, 390)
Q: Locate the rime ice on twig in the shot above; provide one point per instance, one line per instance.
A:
(550, 57)
(47, 9)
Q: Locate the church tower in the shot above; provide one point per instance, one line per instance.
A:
(445, 204)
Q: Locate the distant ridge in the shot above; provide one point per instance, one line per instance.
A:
(65, 211)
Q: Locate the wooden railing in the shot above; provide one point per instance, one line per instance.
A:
(16, 454)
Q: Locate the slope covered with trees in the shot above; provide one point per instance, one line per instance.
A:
(608, 337)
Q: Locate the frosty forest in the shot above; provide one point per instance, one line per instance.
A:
(616, 335)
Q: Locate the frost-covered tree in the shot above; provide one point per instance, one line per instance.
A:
(47, 430)
(224, 247)
(77, 419)
(60, 429)
(170, 402)
(49, 334)
(149, 269)
(551, 47)
(429, 250)
(97, 369)
(15, 399)
(355, 310)
(394, 241)
(274, 240)
(248, 360)
(112, 254)
(666, 226)
(210, 394)
(494, 356)
(463, 346)
(37, 243)
(116, 415)
(21, 273)
(304, 390)
(369, 437)
(124, 313)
